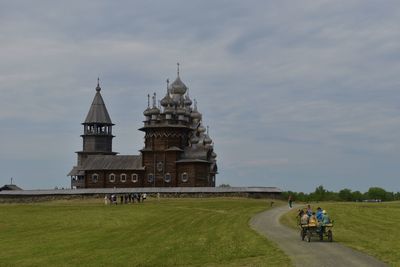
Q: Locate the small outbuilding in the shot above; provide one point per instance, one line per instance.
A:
(10, 187)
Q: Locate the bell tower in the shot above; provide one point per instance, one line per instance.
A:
(97, 130)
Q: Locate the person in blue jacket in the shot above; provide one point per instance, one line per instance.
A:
(319, 214)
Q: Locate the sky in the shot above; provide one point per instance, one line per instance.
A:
(297, 94)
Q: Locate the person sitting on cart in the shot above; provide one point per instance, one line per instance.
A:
(300, 213)
(309, 210)
(325, 218)
(304, 219)
(319, 214)
(312, 221)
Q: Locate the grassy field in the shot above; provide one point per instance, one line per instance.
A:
(170, 232)
(368, 227)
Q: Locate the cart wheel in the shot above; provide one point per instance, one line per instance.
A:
(309, 236)
(330, 236)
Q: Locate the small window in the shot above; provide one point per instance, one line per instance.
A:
(95, 178)
(135, 178)
(184, 177)
(112, 177)
(167, 177)
(123, 177)
(150, 178)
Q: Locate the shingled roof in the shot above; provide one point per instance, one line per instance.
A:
(98, 112)
(109, 162)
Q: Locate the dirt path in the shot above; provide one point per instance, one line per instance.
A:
(302, 253)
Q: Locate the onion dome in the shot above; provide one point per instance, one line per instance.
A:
(147, 111)
(188, 101)
(207, 140)
(167, 100)
(201, 129)
(195, 114)
(178, 87)
(154, 110)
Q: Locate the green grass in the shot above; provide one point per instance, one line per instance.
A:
(369, 227)
(169, 232)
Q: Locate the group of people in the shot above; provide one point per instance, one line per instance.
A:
(318, 218)
(125, 198)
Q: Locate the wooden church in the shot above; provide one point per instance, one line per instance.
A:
(177, 152)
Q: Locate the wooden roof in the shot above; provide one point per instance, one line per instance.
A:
(98, 112)
(112, 162)
(108, 162)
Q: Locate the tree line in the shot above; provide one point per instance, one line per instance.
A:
(321, 194)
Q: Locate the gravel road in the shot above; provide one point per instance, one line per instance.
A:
(302, 253)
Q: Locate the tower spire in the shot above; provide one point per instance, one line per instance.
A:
(154, 100)
(167, 85)
(177, 64)
(98, 88)
(148, 100)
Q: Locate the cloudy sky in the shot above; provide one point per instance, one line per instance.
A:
(296, 93)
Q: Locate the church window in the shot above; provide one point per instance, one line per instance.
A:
(95, 178)
(112, 177)
(123, 177)
(150, 178)
(135, 178)
(167, 177)
(184, 177)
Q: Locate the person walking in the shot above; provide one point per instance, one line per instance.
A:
(290, 201)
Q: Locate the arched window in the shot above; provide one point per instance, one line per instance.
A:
(167, 177)
(123, 177)
(111, 177)
(95, 178)
(150, 178)
(135, 178)
(184, 177)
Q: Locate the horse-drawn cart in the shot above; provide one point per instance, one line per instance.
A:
(309, 230)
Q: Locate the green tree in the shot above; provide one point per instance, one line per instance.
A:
(319, 193)
(345, 195)
(377, 193)
(357, 196)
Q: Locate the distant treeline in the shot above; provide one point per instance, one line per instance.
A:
(321, 194)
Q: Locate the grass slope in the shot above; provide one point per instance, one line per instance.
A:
(178, 232)
(368, 227)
